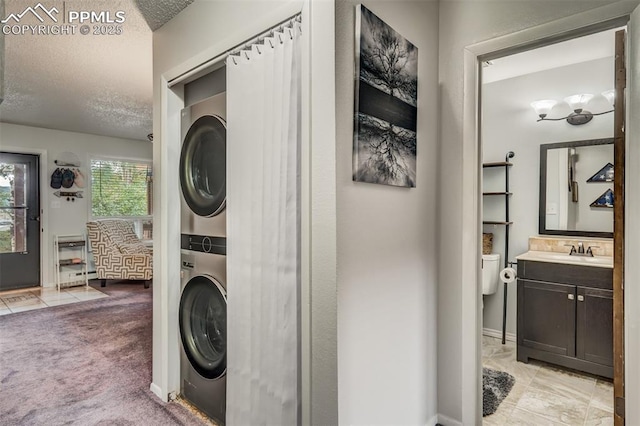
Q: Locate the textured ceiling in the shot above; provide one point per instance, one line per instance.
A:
(159, 12)
(97, 84)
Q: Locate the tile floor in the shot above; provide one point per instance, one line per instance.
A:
(546, 395)
(43, 297)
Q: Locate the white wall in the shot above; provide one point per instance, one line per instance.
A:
(60, 216)
(463, 24)
(509, 124)
(387, 247)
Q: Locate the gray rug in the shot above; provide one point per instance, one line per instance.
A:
(87, 363)
(496, 385)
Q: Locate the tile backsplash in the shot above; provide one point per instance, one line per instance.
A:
(599, 246)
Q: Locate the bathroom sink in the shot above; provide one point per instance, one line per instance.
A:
(553, 257)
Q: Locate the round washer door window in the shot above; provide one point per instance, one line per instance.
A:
(203, 326)
(203, 166)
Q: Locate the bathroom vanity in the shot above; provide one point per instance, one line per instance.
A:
(565, 311)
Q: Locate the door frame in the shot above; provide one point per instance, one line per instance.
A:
(592, 21)
(44, 203)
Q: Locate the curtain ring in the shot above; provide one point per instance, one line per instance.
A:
(291, 33)
(269, 40)
(280, 37)
(246, 55)
(258, 49)
(233, 58)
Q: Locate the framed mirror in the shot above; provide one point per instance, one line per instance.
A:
(576, 188)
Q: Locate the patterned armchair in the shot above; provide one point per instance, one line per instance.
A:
(118, 253)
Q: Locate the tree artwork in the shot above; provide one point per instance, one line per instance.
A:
(386, 95)
(389, 150)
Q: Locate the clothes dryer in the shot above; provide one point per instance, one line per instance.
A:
(203, 168)
(203, 331)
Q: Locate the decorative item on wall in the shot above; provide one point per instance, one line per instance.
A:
(605, 174)
(66, 175)
(384, 146)
(604, 201)
(67, 178)
(69, 195)
(78, 178)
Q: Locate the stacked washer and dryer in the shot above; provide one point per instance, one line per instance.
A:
(203, 301)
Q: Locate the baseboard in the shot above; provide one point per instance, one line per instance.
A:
(432, 421)
(158, 392)
(448, 421)
(498, 334)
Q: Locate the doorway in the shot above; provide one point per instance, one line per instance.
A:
(19, 221)
(508, 85)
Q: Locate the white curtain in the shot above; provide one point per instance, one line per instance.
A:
(263, 217)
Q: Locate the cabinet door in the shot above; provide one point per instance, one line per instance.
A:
(594, 325)
(546, 316)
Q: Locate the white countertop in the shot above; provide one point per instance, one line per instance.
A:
(553, 257)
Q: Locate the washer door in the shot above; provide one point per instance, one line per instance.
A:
(203, 166)
(203, 326)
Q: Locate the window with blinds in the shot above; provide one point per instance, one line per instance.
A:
(121, 188)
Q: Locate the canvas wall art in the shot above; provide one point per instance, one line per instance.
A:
(384, 147)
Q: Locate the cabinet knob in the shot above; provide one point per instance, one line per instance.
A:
(570, 296)
(580, 298)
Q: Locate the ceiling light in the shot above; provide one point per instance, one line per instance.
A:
(577, 103)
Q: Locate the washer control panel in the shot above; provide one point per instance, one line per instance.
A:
(204, 243)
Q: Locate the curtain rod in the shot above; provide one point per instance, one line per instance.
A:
(235, 49)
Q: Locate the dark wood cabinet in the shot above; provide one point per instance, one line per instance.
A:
(566, 323)
(547, 318)
(594, 325)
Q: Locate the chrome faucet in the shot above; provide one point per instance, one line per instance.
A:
(580, 248)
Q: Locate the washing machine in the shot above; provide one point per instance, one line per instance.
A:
(203, 330)
(203, 308)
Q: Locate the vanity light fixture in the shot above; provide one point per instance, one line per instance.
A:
(577, 103)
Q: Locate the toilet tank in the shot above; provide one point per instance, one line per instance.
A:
(490, 273)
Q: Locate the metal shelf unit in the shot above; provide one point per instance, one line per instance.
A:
(70, 253)
(506, 223)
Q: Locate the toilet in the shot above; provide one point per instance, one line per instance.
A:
(490, 273)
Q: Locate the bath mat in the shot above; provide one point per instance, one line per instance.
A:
(496, 385)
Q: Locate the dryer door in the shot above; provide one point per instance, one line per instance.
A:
(203, 325)
(203, 166)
